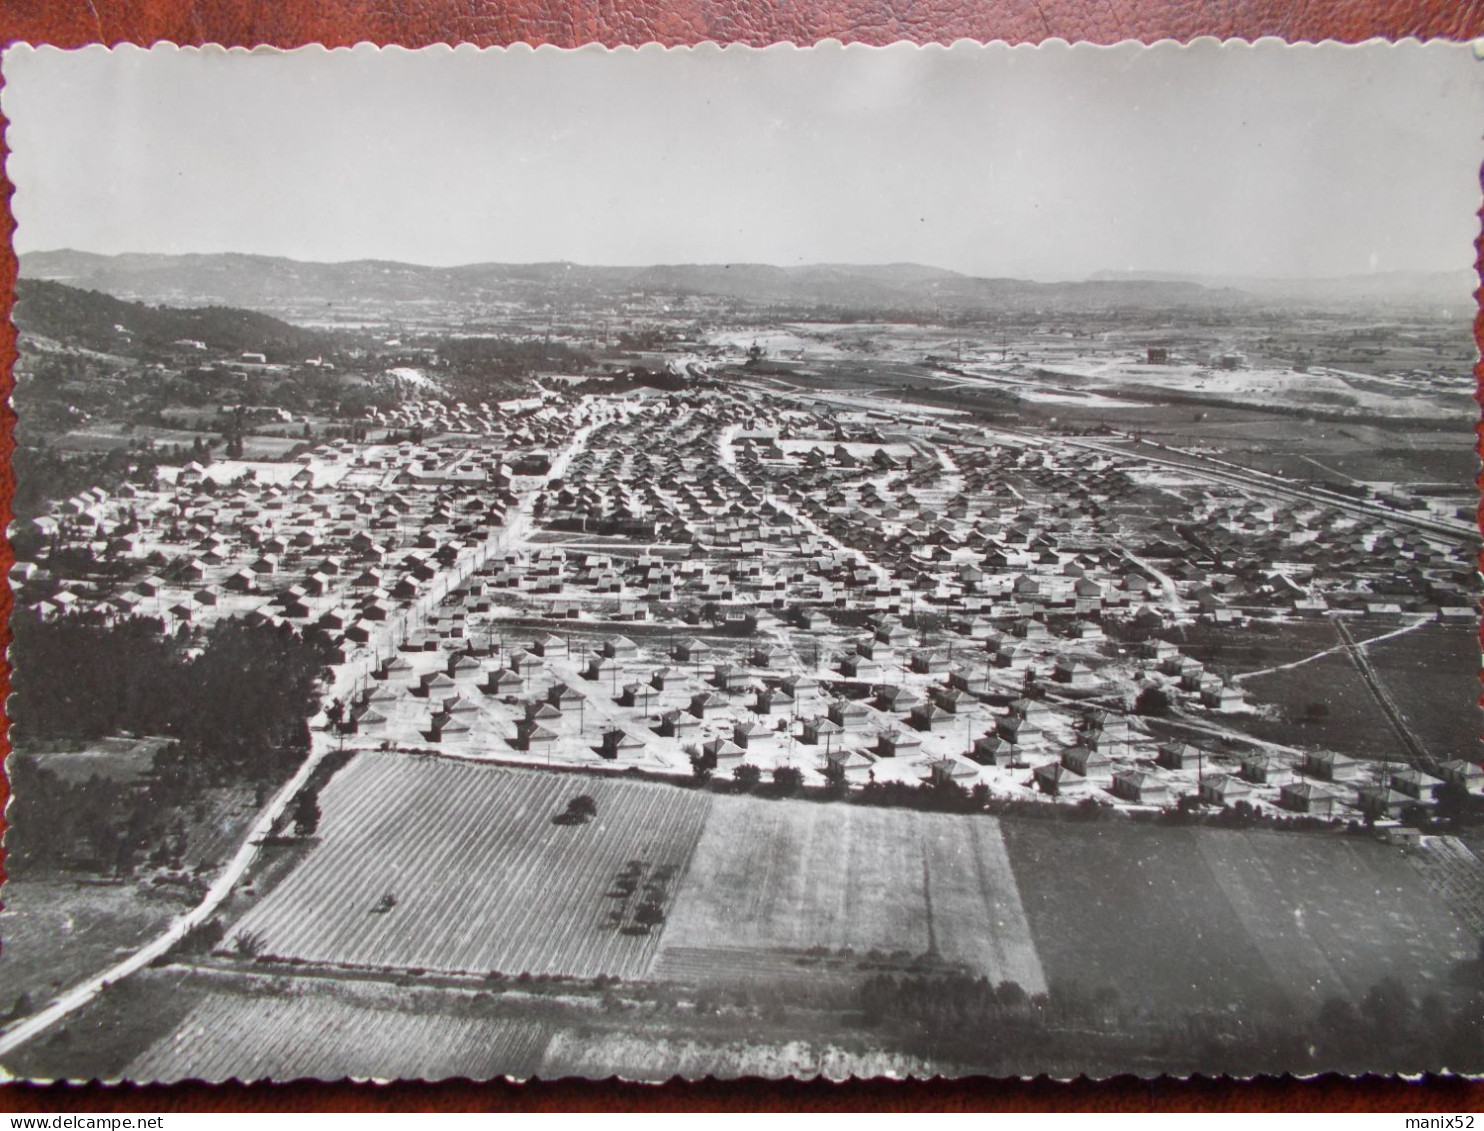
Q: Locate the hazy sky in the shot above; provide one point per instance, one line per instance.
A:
(1048, 163)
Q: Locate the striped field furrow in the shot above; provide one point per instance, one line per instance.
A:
(483, 880)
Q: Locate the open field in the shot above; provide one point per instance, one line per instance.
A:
(1261, 645)
(790, 876)
(1187, 918)
(319, 1036)
(1171, 919)
(57, 931)
(1351, 720)
(1433, 675)
(482, 879)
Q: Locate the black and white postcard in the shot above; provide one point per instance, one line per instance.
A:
(715, 562)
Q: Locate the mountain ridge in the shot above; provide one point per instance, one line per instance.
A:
(274, 284)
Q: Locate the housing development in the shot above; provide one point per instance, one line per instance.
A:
(701, 683)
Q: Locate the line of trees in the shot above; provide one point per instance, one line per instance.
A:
(992, 1026)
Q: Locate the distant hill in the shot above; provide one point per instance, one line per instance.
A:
(101, 322)
(276, 284)
(1437, 289)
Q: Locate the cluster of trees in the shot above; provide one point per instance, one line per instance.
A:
(97, 825)
(980, 1023)
(943, 797)
(236, 701)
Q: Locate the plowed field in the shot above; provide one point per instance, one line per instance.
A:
(479, 876)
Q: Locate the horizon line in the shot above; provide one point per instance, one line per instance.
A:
(1136, 274)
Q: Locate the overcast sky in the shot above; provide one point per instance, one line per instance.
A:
(1045, 163)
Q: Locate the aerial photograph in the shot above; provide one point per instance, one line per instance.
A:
(797, 563)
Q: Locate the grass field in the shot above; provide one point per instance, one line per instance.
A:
(791, 876)
(1259, 923)
(483, 880)
(56, 932)
(1433, 675)
(1178, 917)
(1352, 721)
(1260, 645)
(317, 1036)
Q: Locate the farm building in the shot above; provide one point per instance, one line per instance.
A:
(1463, 774)
(894, 698)
(971, 681)
(692, 650)
(1224, 789)
(662, 678)
(1141, 788)
(943, 771)
(898, 744)
(1305, 797)
(1331, 767)
(565, 698)
(435, 685)
(931, 663)
(1086, 762)
(1014, 729)
(1263, 769)
(1177, 755)
(540, 738)
(848, 714)
(502, 682)
(822, 731)
(446, 728)
(753, 735)
(708, 704)
(768, 701)
(1074, 673)
(992, 750)
(722, 750)
(845, 765)
(928, 716)
(1380, 803)
(1049, 779)
(859, 667)
(677, 723)
(1223, 697)
(1416, 784)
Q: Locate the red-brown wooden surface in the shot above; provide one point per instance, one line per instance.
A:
(72, 23)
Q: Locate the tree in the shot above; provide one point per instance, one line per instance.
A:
(581, 809)
(700, 769)
(649, 915)
(306, 815)
(747, 775)
(1154, 701)
(1010, 995)
(788, 779)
